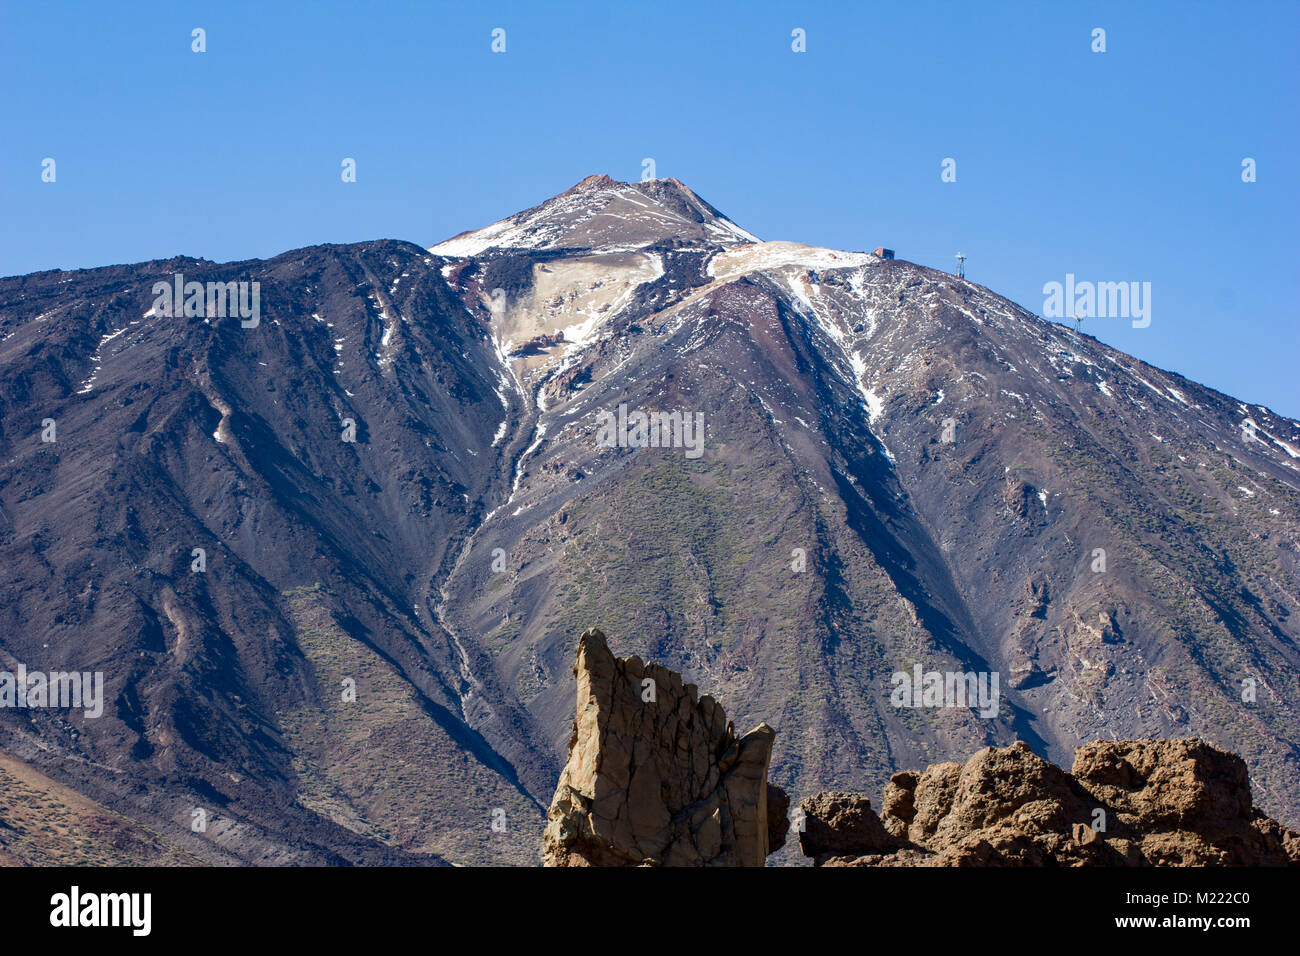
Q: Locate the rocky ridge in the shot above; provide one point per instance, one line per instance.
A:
(657, 777)
(1124, 803)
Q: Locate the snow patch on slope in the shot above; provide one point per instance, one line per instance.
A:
(875, 404)
(89, 383)
(768, 256)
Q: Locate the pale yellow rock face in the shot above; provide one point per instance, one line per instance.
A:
(656, 775)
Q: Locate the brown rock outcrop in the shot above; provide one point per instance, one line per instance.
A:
(1125, 803)
(656, 775)
(842, 824)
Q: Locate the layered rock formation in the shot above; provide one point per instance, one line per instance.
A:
(1125, 803)
(656, 775)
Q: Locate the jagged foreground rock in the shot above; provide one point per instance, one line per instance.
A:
(656, 774)
(1125, 803)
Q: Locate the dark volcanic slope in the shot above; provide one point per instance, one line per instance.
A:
(175, 434)
(446, 560)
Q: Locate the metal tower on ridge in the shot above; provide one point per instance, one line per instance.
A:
(961, 265)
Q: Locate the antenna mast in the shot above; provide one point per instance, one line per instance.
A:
(961, 266)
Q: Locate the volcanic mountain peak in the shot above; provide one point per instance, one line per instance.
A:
(579, 267)
(401, 474)
(602, 215)
(594, 181)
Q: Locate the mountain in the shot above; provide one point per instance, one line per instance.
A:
(895, 468)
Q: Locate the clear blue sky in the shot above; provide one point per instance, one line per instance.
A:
(1122, 166)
